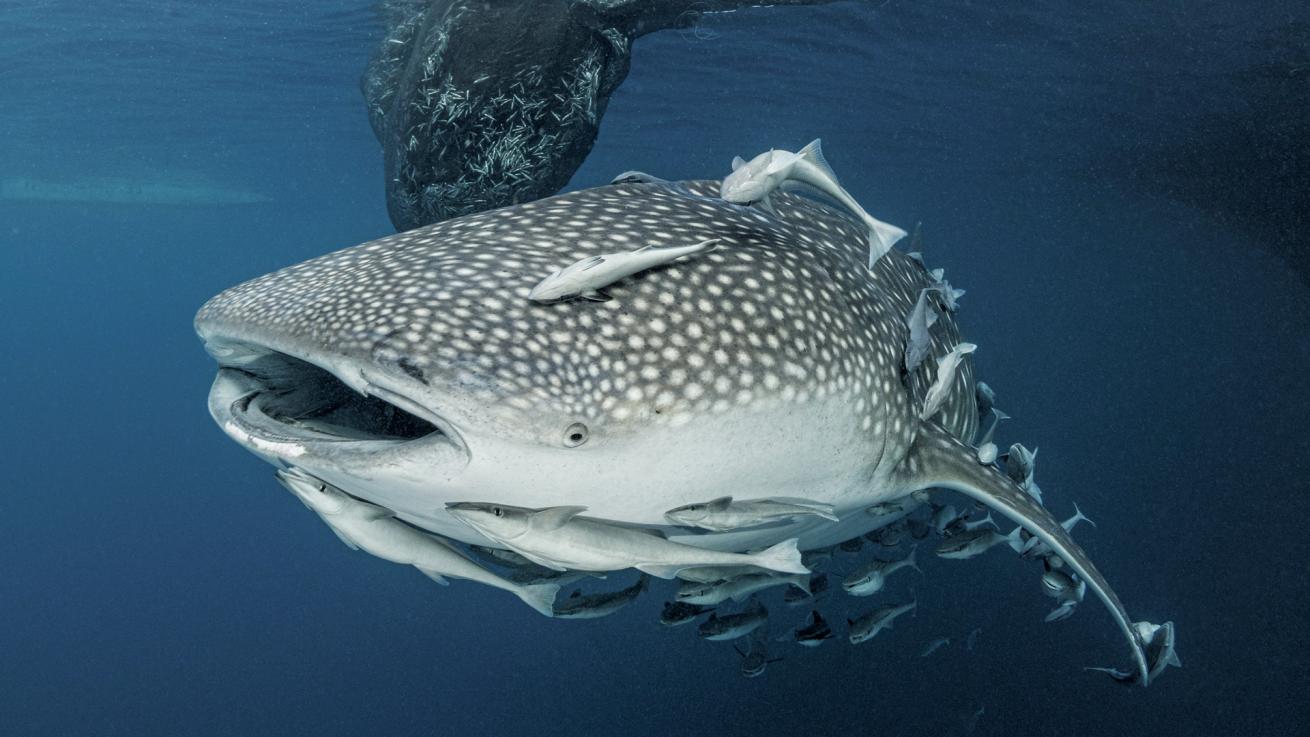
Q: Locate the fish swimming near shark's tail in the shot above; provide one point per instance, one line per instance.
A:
(938, 459)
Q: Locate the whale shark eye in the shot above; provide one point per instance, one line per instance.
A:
(575, 435)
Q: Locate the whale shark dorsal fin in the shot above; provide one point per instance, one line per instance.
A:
(937, 459)
(737, 163)
(553, 518)
(813, 153)
(719, 504)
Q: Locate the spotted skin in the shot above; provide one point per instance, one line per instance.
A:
(776, 358)
(783, 311)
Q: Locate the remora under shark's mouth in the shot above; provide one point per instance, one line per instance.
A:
(280, 405)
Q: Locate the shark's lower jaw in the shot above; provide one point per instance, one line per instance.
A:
(290, 411)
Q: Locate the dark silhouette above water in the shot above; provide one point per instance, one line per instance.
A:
(481, 105)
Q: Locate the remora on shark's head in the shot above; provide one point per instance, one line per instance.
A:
(413, 372)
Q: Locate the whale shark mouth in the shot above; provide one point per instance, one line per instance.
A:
(281, 405)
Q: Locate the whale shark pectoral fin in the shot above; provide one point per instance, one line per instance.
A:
(553, 518)
(938, 459)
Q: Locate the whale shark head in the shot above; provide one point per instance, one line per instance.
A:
(413, 370)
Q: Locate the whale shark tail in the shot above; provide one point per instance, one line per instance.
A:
(938, 459)
(539, 596)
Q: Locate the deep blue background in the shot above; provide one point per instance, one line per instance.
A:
(154, 580)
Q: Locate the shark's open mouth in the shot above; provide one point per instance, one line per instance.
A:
(304, 399)
(282, 405)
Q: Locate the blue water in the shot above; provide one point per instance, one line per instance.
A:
(155, 580)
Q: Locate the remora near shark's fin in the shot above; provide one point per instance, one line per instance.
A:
(344, 538)
(659, 571)
(539, 596)
(939, 459)
(813, 153)
(544, 562)
(553, 518)
(820, 509)
(434, 576)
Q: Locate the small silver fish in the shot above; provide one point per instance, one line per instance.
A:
(732, 626)
(1034, 548)
(969, 544)
(594, 606)
(815, 632)
(679, 612)
(723, 514)
(941, 388)
(934, 646)
(986, 448)
(755, 659)
(985, 397)
(586, 277)
(949, 295)
(918, 341)
(866, 626)
(738, 589)
(869, 578)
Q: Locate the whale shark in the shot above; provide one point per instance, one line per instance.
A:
(414, 372)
